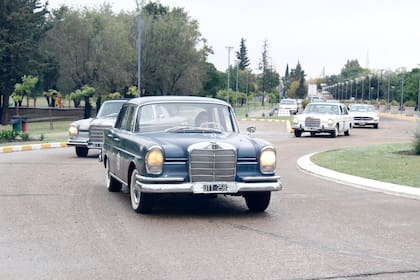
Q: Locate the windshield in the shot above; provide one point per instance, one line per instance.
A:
(180, 117)
(362, 108)
(322, 109)
(110, 109)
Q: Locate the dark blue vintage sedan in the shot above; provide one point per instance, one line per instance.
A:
(173, 144)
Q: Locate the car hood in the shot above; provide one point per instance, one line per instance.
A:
(86, 123)
(317, 116)
(175, 145)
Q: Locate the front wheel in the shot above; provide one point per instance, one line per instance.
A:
(257, 201)
(140, 202)
(347, 132)
(298, 132)
(334, 133)
(81, 151)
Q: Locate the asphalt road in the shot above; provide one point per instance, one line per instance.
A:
(59, 222)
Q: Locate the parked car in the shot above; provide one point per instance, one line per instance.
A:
(190, 145)
(88, 133)
(289, 105)
(364, 114)
(322, 117)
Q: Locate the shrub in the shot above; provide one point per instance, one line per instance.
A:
(8, 135)
(394, 103)
(24, 136)
(410, 103)
(417, 143)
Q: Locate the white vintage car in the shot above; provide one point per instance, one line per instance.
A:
(321, 117)
(364, 114)
(89, 133)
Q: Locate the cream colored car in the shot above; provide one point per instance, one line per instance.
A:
(364, 115)
(321, 117)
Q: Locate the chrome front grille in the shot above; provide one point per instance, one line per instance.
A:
(312, 122)
(211, 162)
(97, 134)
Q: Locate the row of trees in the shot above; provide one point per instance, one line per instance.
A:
(357, 82)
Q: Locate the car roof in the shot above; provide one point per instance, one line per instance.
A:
(159, 99)
(116, 101)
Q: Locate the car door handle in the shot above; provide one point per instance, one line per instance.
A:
(116, 139)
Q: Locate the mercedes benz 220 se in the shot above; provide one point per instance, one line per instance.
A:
(323, 117)
(186, 145)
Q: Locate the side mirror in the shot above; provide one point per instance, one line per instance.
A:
(251, 129)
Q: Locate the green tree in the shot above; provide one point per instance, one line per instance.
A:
(172, 62)
(242, 56)
(352, 70)
(22, 27)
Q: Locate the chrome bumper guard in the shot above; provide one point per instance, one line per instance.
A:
(176, 185)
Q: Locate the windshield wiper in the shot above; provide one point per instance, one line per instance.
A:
(191, 129)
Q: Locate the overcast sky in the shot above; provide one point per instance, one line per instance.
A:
(321, 34)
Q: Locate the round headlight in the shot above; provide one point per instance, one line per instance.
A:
(268, 160)
(73, 130)
(330, 122)
(154, 160)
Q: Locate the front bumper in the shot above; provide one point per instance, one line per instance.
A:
(83, 143)
(176, 185)
(321, 128)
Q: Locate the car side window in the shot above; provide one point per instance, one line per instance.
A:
(121, 116)
(125, 118)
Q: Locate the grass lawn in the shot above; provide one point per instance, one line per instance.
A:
(395, 163)
(42, 130)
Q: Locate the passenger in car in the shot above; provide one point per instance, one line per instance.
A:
(202, 119)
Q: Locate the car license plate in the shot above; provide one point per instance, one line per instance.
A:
(214, 188)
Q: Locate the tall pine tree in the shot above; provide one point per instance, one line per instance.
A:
(242, 56)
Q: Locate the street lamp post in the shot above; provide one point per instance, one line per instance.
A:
(139, 7)
(389, 89)
(402, 70)
(370, 80)
(418, 98)
(377, 93)
(237, 82)
(402, 94)
(355, 88)
(363, 89)
(228, 73)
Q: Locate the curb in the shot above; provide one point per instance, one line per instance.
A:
(29, 147)
(305, 164)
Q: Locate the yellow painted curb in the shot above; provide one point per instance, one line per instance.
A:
(20, 148)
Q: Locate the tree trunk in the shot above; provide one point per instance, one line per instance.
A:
(4, 117)
(88, 108)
